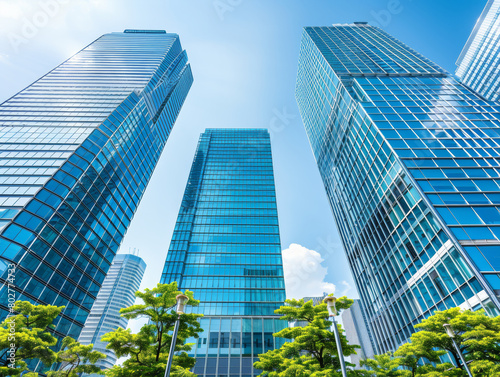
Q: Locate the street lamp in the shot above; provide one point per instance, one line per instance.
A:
(452, 335)
(181, 304)
(332, 312)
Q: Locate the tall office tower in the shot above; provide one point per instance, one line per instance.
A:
(117, 292)
(226, 248)
(479, 62)
(77, 149)
(410, 159)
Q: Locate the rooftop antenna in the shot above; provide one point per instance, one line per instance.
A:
(134, 251)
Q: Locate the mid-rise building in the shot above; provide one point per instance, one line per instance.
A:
(478, 66)
(316, 300)
(226, 249)
(77, 149)
(410, 159)
(356, 332)
(117, 292)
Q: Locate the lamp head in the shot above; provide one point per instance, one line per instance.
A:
(330, 303)
(181, 303)
(449, 330)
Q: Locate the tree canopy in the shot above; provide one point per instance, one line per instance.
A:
(476, 334)
(147, 351)
(76, 358)
(25, 335)
(311, 349)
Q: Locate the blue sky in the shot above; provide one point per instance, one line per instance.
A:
(244, 58)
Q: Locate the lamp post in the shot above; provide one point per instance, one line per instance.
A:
(181, 304)
(332, 311)
(452, 335)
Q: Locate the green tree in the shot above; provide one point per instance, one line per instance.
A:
(440, 370)
(485, 368)
(385, 365)
(477, 335)
(148, 349)
(409, 355)
(76, 358)
(27, 333)
(311, 350)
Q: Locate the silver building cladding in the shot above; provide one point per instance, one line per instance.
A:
(478, 64)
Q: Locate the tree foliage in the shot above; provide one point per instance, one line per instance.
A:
(384, 365)
(27, 333)
(410, 354)
(76, 358)
(477, 336)
(147, 351)
(310, 350)
(485, 368)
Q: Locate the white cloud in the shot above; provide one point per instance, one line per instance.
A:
(346, 290)
(304, 274)
(10, 9)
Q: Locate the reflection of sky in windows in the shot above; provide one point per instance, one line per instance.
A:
(77, 149)
(462, 156)
(368, 129)
(226, 248)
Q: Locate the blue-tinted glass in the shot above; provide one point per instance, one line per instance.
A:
(476, 199)
(78, 147)
(453, 198)
(465, 215)
(478, 258)
(477, 62)
(226, 245)
(489, 215)
(356, 84)
(492, 254)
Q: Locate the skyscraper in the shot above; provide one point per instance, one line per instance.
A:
(226, 248)
(78, 147)
(117, 292)
(478, 64)
(410, 161)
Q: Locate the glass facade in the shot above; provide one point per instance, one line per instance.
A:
(77, 149)
(477, 65)
(410, 159)
(117, 292)
(226, 248)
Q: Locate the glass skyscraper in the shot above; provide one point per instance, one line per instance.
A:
(77, 149)
(226, 248)
(480, 58)
(117, 292)
(410, 159)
